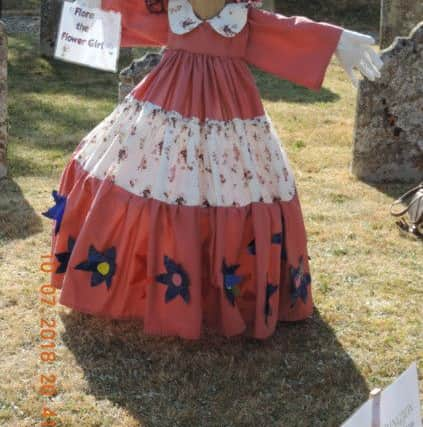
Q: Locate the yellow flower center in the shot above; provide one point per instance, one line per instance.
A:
(103, 268)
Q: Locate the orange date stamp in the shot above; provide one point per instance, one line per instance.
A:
(48, 344)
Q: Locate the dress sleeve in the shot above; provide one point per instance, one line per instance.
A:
(139, 26)
(293, 48)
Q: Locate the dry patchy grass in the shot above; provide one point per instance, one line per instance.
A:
(367, 280)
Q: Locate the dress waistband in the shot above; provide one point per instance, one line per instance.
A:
(177, 51)
(206, 41)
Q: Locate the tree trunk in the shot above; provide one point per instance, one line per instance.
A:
(3, 100)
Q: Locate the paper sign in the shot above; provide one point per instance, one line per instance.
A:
(89, 37)
(399, 405)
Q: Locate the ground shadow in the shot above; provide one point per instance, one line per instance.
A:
(51, 76)
(17, 217)
(392, 189)
(301, 376)
(272, 88)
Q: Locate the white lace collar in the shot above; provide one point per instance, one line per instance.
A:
(229, 22)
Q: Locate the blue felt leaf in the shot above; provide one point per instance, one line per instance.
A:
(231, 280)
(110, 254)
(86, 266)
(184, 292)
(277, 238)
(94, 257)
(252, 247)
(171, 293)
(163, 278)
(57, 211)
(230, 296)
(96, 278)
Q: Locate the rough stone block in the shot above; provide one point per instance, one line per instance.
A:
(388, 136)
(139, 68)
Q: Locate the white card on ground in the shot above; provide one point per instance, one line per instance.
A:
(399, 404)
(89, 36)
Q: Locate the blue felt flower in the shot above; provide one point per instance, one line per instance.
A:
(64, 257)
(176, 279)
(270, 290)
(300, 282)
(57, 211)
(101, 264)
(231, 281)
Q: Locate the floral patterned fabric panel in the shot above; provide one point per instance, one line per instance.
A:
(229, 22)
(162, 155)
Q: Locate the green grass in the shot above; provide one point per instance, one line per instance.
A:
(367, 280)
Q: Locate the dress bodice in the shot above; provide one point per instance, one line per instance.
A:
(205, 40)
(293, 48)
(225, 34)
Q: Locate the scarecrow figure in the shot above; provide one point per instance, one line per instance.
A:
(181, 206)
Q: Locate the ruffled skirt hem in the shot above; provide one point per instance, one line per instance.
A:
(235, 270)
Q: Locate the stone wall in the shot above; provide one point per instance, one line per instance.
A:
(3, 100)
(398, 18)
(388, 137)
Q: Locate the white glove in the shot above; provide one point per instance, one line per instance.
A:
(354, 51)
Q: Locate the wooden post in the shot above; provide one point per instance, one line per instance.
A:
(50, 16)
(375, 397)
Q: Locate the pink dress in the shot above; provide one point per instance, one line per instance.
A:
(180, 208)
